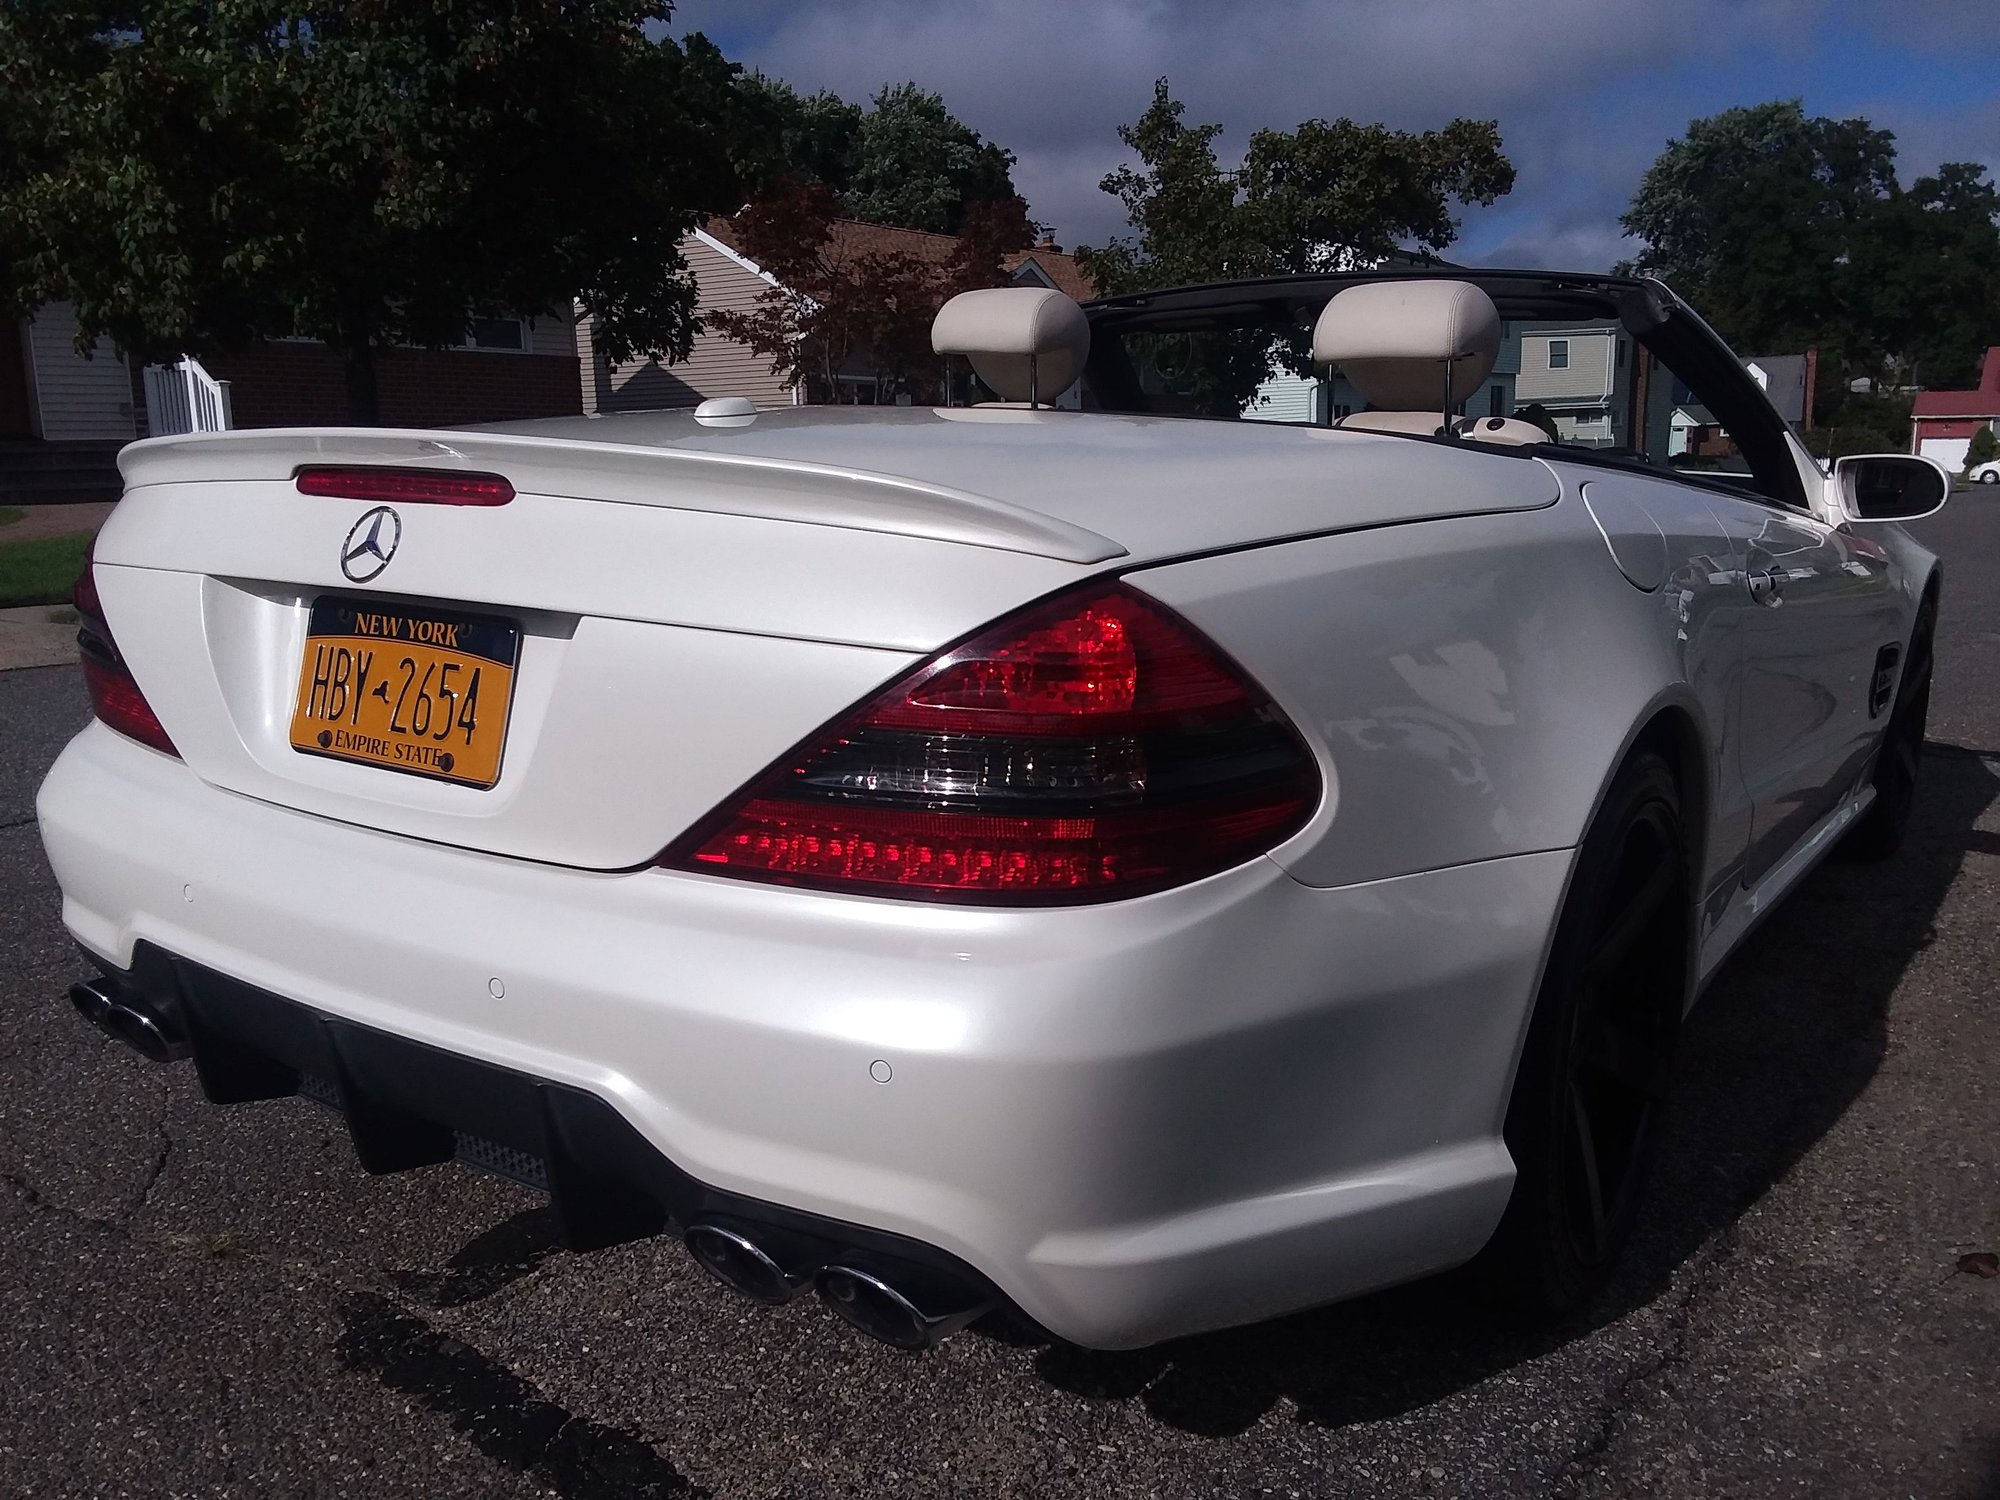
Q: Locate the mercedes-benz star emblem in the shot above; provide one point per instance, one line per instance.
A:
(371, 544)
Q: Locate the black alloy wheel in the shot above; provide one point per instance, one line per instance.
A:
(1591, 1093)
(1880, 832)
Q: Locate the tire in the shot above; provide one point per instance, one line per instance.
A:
(1584, 1121)
(1991, 476)
(1880, 832)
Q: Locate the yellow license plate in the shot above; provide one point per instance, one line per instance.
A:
(408, 689)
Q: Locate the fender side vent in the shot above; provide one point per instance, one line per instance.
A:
(1882, 689)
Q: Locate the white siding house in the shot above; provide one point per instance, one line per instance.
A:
(1286, 397)
(718, 366)
(1581, 376)
(73, 398)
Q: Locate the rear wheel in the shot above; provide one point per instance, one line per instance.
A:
(1592, 1087)
(1880, 832)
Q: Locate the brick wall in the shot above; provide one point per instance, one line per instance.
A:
(304, 385)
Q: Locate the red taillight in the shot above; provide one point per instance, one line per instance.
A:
(408, 486)
(1090, 748)
(114, 695)
(83, 598)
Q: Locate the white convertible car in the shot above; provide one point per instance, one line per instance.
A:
(1083, 853)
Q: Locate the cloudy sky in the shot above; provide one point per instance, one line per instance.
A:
(1586, 91)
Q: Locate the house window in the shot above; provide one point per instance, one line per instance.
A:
(1558, 354)
(509, 334)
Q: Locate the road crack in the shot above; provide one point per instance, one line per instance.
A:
(156, 1165)
(32, 1198)
(1703, 1272)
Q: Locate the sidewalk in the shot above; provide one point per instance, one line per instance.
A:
(30, 638)
(54, 520)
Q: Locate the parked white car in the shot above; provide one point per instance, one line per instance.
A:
(1986, 473)
(1151, 871)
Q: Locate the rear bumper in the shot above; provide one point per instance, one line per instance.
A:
(410, 1105)
(1136, 1120)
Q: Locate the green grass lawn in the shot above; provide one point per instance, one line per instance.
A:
(9, 514)
(42, 571)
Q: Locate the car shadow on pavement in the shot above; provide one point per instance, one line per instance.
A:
(1786, 1038)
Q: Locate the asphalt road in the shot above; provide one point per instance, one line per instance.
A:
(203, 1301)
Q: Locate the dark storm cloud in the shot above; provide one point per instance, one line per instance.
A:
(1586, 91)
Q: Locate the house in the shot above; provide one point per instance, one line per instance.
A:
(729, 281)
(55, 401)
(1789, 380)
(63, 415)
(51, 393)
(1581, 376)
(1287, 397)
(507, 368)
(1942, 423)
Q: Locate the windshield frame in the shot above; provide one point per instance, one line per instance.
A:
(1666, 327)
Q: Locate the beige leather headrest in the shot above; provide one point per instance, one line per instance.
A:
(1001, 329)
(1393, 339)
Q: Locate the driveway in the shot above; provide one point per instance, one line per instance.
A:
(203, 1301)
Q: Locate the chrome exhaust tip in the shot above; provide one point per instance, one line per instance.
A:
(133, 1022)
(92, 999)
(742, 1265)
(870, 1304)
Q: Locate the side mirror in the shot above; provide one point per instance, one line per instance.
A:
(1889, 486)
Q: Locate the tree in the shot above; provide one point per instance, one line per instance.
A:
(920, 167)
(1185, 207)
(196, 176)
(1328, 195)
(1983, 448)
(813, 136)
(1863, 423)
(839, 297)
(906, 161)
(1936, 275)
(1792, 231)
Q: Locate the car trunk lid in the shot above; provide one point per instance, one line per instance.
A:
(679, 617)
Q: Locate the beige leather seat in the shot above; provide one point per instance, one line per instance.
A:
(1027, 344)
(1415, 350)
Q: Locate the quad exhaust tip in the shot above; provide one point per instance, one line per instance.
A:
(742, 1265)
(876, 1308)
(132, 1021)
(864, 1299)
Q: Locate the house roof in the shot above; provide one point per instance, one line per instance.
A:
(1956, 404)
(1983, 402)
(1056, 268)
(1784, 382)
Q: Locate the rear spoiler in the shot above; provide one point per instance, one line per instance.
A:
(628, 474)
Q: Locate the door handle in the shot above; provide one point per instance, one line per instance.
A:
(1766, 585)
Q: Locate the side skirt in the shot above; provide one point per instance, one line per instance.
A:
(1753, 905)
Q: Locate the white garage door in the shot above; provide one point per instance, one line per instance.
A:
(1948, 451)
